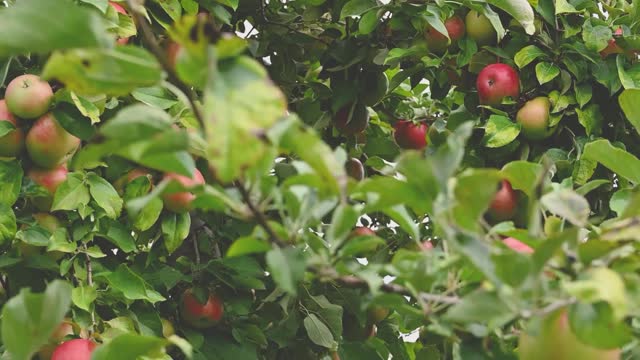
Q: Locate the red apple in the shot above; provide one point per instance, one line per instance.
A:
(201, 315)
(28, 96)
(612, 46)
(77, 349)
(517, 245)
(409, 135)
(362, 231)
(351, 120)
(355, 169)
(504, 204)
(496, 82)
(49, 144)
(49, 179)
(118, 8)
(438, 42)
(181, 201)
(12, 143)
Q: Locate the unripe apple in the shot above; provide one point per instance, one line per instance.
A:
(479, 28)
(517, 245)
(504, 204)
(496, 82)
(553, 339)
(409, 135)
(355, 169)
(181, 201)
(76, 349)
(12, 143)
(167, 328)
(47, 221)
(28, 96)
(376, 314)
(200, 315)
(438, 42)
(118, 8)
(49, 144)
(534, 118)
(351, 120)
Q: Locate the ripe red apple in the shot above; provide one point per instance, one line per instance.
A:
(517, 245)
(437, 42)
(612, 46)
(118, 8)
(64, 329)
(362, 231)
(76, 349)
(409, 135)
(49, 144)
(28, 96)
(504, 204)
(12, 143)
(200, 315)
(534, 118)
(173, 51)
(351, 120)
(355, 169)
(497, 81)
(181, 201)
(49, 179)
(553, 339)
(479, 28)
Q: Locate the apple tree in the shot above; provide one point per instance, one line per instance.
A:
(319, 179)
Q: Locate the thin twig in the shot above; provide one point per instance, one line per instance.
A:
(152, 43)
(259, 216)
(89, 281)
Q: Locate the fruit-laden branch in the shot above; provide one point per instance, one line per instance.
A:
(156, 50)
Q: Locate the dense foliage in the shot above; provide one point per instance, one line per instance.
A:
(319, 179)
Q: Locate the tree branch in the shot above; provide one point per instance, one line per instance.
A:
(152, 44)
(259, 216)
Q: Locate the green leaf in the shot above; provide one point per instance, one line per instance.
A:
(115, 71)
(8, 226)
(343, 220)
(500, 131)
(132, 286)
(615, 159)
(546, 72)
(247, 245)
(521, 10)
(148, 215)
(130, 346)
(474, 190)
(29, 319)
(584, 93)
(318, 332)
(72, 194)
(287, 267)
(629, 101)
(357, 7)
(567, 204)
(6, 127)
(175, 228)
(72, 120)
(629, 78)
(105, 195)
(595, 325)
(564, 7)
(155, 97)
(71, 27)
(591, 118)
(237, 123)
(481, 307)
(368, 22)
(596, 37)
(11, 174)
(171, 7)
(527, 54)
(84, 296)
(118, 234)
(522, 175)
